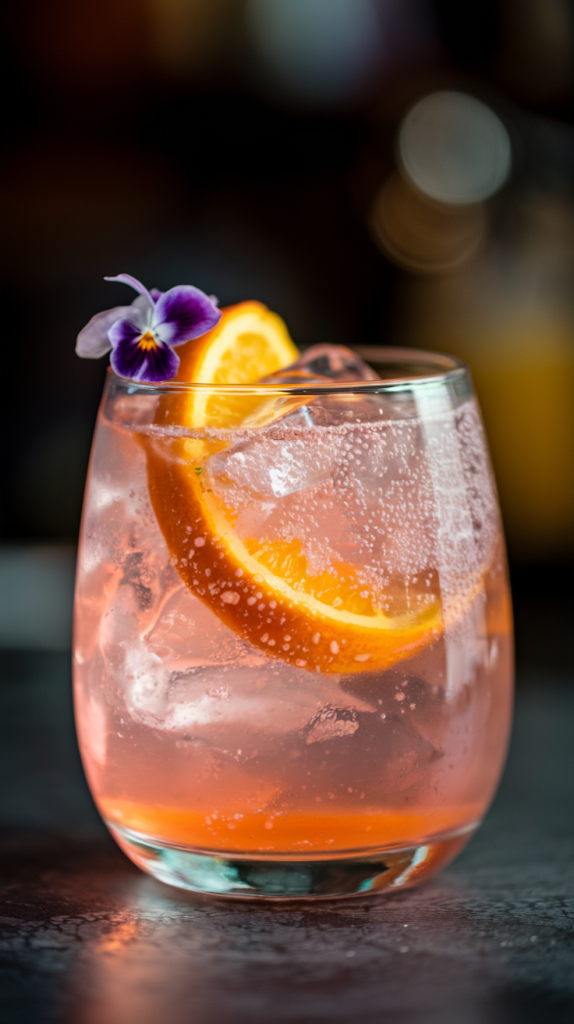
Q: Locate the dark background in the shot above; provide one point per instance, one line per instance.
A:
(158, 137)
(171, 140)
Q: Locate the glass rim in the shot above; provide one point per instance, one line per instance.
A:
(433, 368)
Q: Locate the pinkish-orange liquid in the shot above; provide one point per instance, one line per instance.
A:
(192, 737)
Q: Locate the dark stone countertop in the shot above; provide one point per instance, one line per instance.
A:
(86, 938)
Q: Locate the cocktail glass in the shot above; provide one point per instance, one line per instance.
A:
(293, 655)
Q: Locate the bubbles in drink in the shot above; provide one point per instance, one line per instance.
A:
(368, 505)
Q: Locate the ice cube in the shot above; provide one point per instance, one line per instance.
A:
(331, 722)
(324, 363)
(225, 704)
(356, 754)
(269, 467)
(357, 492)
(394, 692)
(321, 364)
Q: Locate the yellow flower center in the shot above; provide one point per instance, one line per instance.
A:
(147, 341)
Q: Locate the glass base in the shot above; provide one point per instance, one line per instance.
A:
(283, 878)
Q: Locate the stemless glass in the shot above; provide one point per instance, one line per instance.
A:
(293, 639)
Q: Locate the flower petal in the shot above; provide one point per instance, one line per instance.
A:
(93, 340)
(125, 331)
(183, 313)
(142, 304)
(152, 366)
(162, 364)
(133, 283)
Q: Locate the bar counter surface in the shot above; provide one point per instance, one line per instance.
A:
(87, 938)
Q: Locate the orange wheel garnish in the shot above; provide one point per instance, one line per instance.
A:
(263, 589)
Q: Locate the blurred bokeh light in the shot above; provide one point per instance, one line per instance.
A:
(321, 49)
(333, 51)
(423, 235)
(454, 148)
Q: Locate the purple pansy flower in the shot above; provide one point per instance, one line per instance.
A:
(142, 336)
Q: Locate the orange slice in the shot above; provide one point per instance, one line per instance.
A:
(248, 343)
(263, 589)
